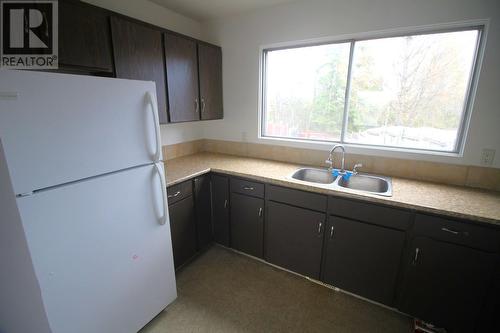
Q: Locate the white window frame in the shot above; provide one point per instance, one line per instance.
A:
(480, 25)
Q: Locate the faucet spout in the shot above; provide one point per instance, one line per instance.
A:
(330, 157)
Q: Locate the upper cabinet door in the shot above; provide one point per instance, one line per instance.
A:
(138, 53)
(210, 64)
(182, 78)
(84, 37)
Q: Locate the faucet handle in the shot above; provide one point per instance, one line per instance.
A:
(355, 168)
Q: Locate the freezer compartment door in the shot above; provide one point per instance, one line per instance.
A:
(58, 128)
(101, 255)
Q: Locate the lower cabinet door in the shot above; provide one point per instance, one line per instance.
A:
(203, 203)
(247, 224)
(362, 258)
(294, 238)
(220, 209)
(445, 284)
(183, 230)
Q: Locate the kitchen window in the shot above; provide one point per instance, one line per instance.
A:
(410, 91)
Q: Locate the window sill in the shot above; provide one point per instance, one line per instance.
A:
(403, 153)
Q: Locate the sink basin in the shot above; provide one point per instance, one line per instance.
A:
(360, 182)
(320, 176)
(368, 183)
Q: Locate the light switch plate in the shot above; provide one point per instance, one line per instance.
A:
(488, 156)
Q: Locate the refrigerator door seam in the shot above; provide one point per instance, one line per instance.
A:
(78, 181)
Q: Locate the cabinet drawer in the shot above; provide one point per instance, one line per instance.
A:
(297, 198)
(380, 215)
(179, 191)
(452, 231)
(247, 187)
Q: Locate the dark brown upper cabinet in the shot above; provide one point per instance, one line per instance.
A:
(210, 72)
(187, 72)
(84, 38)
(138, 54)
(194, 79)
(182, 78)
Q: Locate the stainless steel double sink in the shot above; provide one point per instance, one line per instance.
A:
(360, 182)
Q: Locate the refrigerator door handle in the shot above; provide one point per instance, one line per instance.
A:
(154, 109)
(163, 219)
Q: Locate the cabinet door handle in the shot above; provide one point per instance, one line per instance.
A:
(248, 188)
(454, 232)
(415, 258)
(260, 212)
(332, 231)
(225, 203)
(202, 105)
(174, 195)
(320, 227)
(196, 105)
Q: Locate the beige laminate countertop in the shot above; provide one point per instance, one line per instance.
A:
(455, 201)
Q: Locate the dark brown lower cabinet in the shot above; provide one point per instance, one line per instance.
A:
(183, 230)
(247, 224)
(362, 258)
(488, 319)
(445, 284)
(294, 238)
(203, 203)
(220, 209)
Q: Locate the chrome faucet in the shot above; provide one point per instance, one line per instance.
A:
(329, 161)
(355, 168)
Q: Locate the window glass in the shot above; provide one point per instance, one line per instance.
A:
(305, 92)
(410, 91)
(405, 92)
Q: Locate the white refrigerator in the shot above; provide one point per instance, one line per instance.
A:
(85, 241)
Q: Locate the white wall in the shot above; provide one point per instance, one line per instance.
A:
(242, 36)
(150, 12)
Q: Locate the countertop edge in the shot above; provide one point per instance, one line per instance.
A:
(350, 195)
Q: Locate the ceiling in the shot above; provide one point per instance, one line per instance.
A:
(213, 9)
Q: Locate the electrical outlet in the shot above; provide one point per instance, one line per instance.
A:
(487, 156)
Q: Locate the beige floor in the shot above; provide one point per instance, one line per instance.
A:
(222, 291)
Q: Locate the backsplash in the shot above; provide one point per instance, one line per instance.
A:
(452, 174)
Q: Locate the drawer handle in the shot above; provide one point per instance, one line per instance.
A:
(454, 232)
(225, 203)
(320, 227)
(174, 195)
(260, 212)
(415, 258)
(248, 188)
(332, 231)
